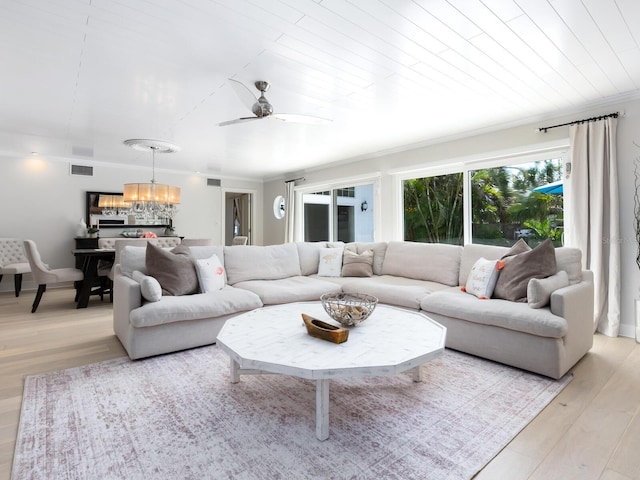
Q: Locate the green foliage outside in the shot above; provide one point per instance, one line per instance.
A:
(503, 204)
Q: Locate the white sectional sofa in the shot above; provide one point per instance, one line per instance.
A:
(427, 277)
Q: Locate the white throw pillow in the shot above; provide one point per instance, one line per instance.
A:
(539, 290)
(482, 278)
(330, 262)
(149, 287)
(210, 274)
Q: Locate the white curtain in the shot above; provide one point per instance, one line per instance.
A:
(592, 223)
(289, 211)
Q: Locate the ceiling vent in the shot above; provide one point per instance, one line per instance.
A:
(82, 170)
(213, 182)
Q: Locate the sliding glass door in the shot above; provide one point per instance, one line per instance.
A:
(342, 214)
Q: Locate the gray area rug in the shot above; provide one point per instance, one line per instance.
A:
(177, 416)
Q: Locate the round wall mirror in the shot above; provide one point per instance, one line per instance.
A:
(278, 207)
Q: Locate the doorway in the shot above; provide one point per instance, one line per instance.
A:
(237, 218)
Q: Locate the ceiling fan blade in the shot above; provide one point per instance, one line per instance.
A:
(239, 120)
(296, 118)
(246, 96)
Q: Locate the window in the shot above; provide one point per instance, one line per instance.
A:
(433, 209)
(505, 203)
(517, 201)
(343, 214)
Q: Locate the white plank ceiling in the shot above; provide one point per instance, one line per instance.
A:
(389, 73)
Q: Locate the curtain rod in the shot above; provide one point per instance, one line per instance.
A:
(592, 119)
(294, 180)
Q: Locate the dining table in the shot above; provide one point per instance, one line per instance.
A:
(92, 283)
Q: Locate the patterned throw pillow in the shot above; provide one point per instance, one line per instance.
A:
(330, 262)
(482, 278)
(210, 274)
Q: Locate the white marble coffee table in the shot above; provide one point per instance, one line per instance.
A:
(275, 340)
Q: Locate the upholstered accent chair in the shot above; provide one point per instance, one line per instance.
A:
(13, 261)
(43, 275)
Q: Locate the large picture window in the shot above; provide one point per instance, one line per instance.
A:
(504, 203)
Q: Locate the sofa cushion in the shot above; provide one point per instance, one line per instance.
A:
(357, 265)
(569, 259)
(150, 289)
(309, 255)
(132, 258)
(210, 274)
(172, 309)
(391, 290)
(330, 263)
(252, 262)
(539, 290)
(288, 290)
(423, 261)
(517, 316)
(174, 269)
(482, 278)
(520, 268)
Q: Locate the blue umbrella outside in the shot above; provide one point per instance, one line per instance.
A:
(553, 188)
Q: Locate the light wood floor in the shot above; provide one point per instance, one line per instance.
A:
(590, 431)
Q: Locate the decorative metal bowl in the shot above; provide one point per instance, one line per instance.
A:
(349, 309)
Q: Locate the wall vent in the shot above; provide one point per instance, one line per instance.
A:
(213, 182)
(82, 170)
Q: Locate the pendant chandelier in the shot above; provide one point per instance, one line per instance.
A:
(152, 202)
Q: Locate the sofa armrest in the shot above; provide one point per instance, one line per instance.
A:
(126, 297)
(575, 304)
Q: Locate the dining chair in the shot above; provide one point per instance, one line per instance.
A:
(239, 240)
(13, 261)
(43, 275)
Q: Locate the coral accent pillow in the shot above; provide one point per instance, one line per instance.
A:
(519, 269)
(210, 274)
(175, 270)
(330, 262)
(482, 278)
(357, 265)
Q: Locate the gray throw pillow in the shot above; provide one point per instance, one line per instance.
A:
(175, 270)
(354, 265)
(519, 269)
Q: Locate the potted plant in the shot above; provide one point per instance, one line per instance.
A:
(92, 231)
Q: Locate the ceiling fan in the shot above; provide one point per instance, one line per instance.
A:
(261, 108)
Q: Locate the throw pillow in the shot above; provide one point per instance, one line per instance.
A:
(330, 262)
(539, 290)
(519, 269)
(482, 278)
(354, 265)
(519, 247)
(149, 286)
(175, 269)
(210, 274)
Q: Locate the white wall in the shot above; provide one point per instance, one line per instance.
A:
(41, 201)
(514, 140)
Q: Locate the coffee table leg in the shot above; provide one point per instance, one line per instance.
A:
(234, 371)
(322, 409)
(416, 374)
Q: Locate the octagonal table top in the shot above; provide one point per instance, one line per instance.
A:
(274, 339)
